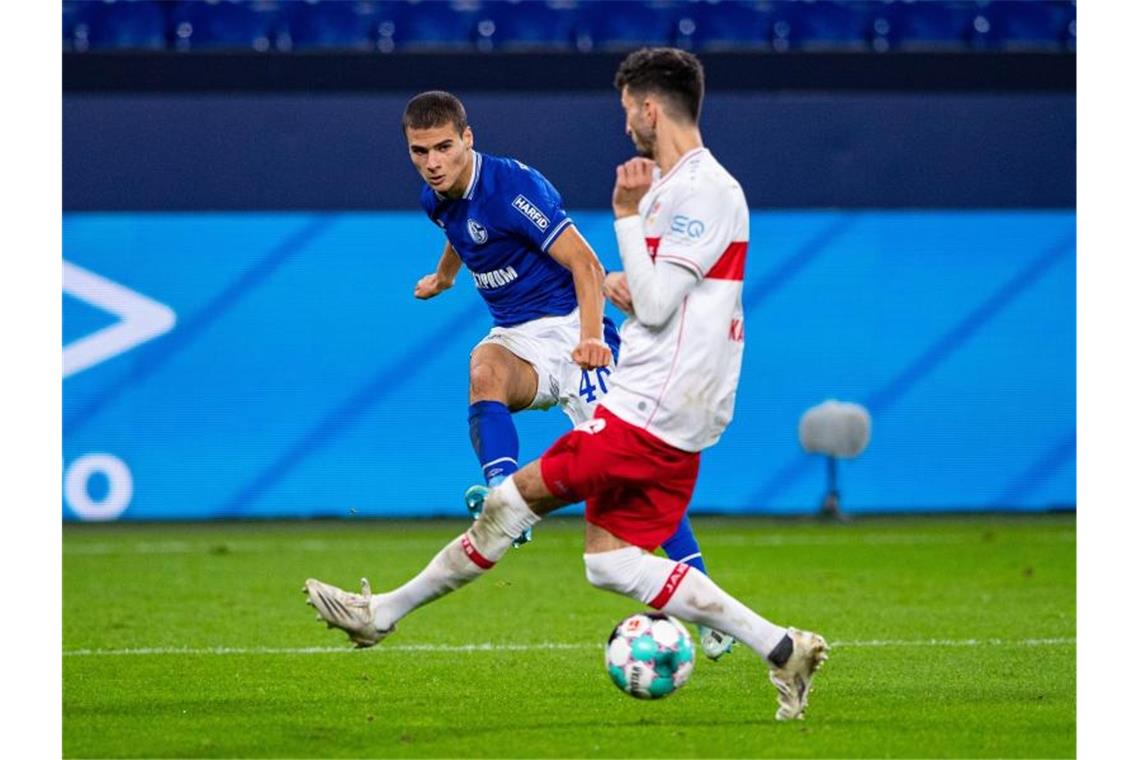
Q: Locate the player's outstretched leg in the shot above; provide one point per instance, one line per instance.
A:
(367, 618)
(683, 547)
(792, 656)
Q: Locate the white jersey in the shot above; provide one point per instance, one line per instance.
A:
(678, 380)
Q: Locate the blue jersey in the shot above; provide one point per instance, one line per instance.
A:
(502, 228)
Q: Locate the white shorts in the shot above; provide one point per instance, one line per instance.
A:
(546, 344)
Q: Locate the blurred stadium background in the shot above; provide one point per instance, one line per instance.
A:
(241, 238)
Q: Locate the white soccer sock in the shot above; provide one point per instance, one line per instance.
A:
(505, 517)
(692, 596)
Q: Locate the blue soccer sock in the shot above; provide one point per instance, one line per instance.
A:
(494, 438)
(683, 547)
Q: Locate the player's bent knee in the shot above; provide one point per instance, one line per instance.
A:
(616, 570)
(488, 382)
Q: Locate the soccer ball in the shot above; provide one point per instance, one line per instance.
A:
(649, 655)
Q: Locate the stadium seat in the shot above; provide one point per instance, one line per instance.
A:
(72, 15)
(527, 25)
(565, 25)
(625, 26)
(932, 26)
(727, 25)
(119, 25)
(821, 25)
(225, 25)
(427, 25)
(329, 25)
(1043, 25)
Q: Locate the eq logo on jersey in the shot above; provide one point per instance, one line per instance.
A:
(477, 232)
(694, 228)
(531, 212)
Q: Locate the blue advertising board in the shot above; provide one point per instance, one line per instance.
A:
(222, 365)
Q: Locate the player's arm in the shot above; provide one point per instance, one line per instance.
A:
(572, 251)
(443, 277)
(655, 292)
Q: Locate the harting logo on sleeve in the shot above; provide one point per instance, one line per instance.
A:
(531, 212)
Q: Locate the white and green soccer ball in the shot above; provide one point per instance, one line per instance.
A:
(649, 655)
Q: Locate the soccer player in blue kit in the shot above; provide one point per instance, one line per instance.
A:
(550, 343)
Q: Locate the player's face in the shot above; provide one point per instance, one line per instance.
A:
(637, 124)
(442, 156)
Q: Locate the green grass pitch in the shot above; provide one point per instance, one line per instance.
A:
(952, 637)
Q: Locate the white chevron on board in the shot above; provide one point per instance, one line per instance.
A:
(140, 319)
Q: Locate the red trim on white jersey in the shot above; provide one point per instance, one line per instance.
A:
(730, 266)
(651, 245)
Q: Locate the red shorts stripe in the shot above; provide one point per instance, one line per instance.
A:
(635, 485)
(474, 555)
(680, 570)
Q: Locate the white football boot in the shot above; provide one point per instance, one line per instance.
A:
(352, 613)
(714, 643)
(793, 679)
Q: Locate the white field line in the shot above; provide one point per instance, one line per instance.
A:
(877, 539)
(546, 646)
(712, 539)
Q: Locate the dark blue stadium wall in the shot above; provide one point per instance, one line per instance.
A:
(345, 151)
(911, 250)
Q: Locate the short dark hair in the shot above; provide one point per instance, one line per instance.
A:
(674, 74)
(434, 108)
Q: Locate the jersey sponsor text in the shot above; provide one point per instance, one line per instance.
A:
(496, 278)
(531, 212)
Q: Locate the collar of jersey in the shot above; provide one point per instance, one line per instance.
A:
(681, 161)
(470, 191)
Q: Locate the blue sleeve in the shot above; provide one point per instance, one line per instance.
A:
(533, 208)
(427, 200)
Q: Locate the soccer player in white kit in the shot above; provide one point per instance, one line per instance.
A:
(682, 227)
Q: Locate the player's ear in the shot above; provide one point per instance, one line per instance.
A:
(650, 108)
(468, 138)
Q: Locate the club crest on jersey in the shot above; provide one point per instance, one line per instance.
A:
(477, 232)
(531, 212)
(653, 213)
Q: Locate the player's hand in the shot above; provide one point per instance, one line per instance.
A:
(616, 288)
(633, 180)
(592, 353)
(430, 286)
